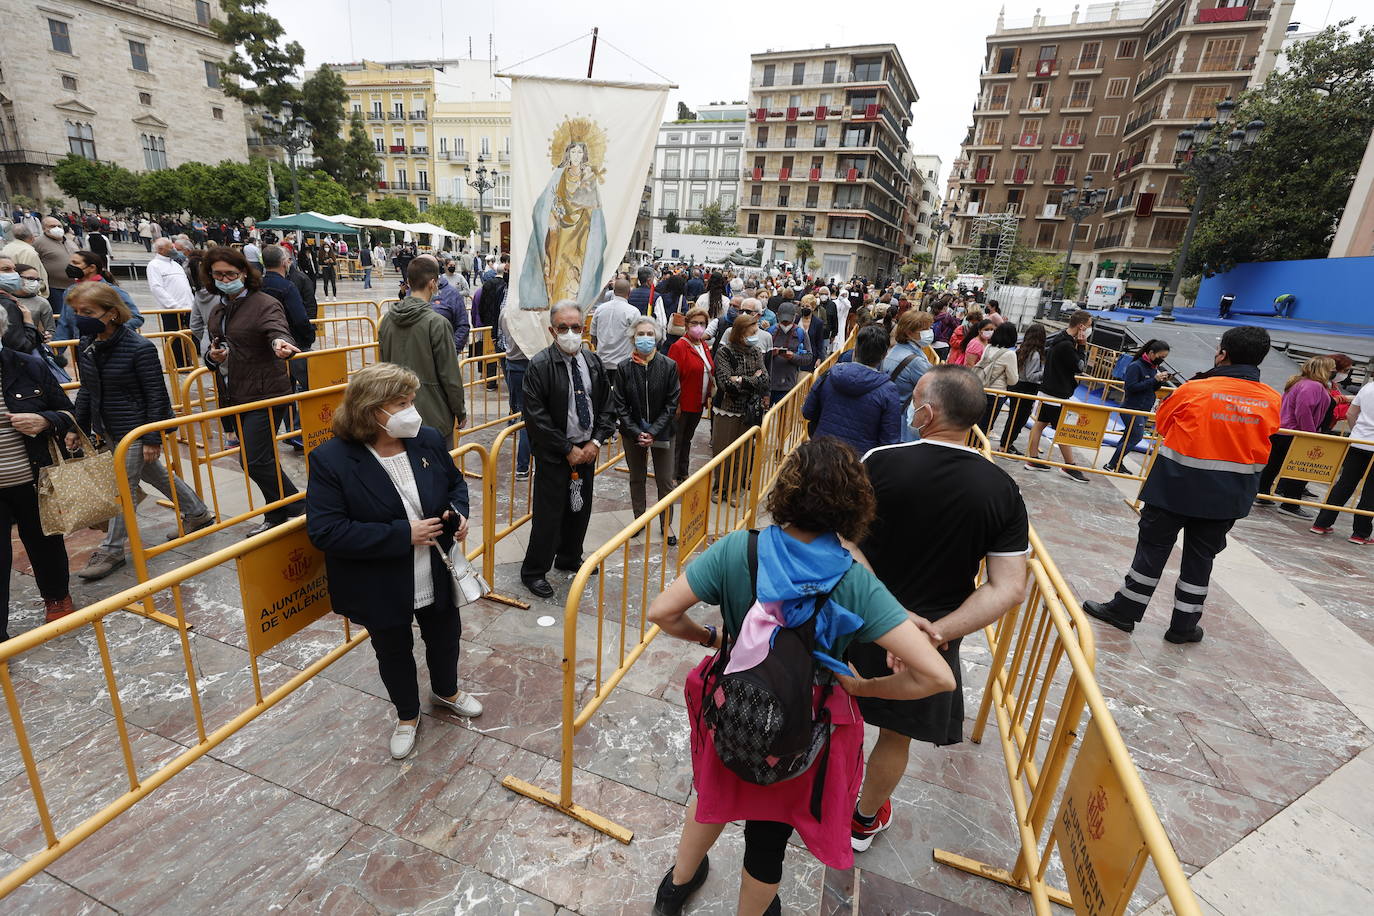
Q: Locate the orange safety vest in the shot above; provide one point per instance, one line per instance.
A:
(1219, 424)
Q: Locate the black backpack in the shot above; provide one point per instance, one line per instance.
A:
(764, 721)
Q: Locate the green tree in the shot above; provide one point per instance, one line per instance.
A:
(260, 68)
(321, 193)
(396, 208)
(163, 191)
(453, 217)
(684, 113)
(805, 252)
(1043, 269)
(360, 164)
(670, 222)
(323, 97)
(1284, 199)
(78, 177)
(714, 221)
(54, 203)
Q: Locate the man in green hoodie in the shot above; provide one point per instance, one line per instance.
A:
(414, 335)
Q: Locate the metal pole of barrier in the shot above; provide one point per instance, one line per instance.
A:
(490, 470)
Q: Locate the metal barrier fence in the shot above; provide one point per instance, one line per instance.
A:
(484, 392)
(260, 561)
(721, 496)
(640, 555)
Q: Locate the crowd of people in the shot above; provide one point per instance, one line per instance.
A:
(839, 581)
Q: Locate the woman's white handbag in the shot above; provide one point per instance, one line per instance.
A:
(468, 584)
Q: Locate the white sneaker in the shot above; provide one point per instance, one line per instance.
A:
(403, 740)
(464, 704)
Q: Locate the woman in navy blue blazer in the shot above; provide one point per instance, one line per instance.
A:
(383, 495)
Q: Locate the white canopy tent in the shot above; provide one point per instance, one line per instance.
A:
(408, 229)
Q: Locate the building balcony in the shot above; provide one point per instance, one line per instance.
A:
(698, 173)
(419, 115)
(1049, 211)
(376, 116)
(1109, 241)
(1044, 69)
(728, 174)
(1019, 176)
(396, 149)
(1028, 141)
(850, 174)
(1174, 202)
(667, 212)
(1067, 141)
(1062, 175)
(396, 116)
(983, 176)
(1125, 165)
(1232, 14)
(502, 156)
(419, 150)
(670, 174)
(1078, 103)
(1118, 203)
(1036, 104)
(986, 105)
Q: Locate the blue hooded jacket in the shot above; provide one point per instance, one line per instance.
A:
(856, 404)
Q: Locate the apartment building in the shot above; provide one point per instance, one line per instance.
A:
(399, 102)
(922, 212)
(697, 163)
(825, 155)
(1105, 95)
(473, 136)
(136, 83)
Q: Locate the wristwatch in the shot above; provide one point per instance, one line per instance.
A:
(596, 442)
(710, 636)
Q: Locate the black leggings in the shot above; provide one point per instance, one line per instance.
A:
(765, 845)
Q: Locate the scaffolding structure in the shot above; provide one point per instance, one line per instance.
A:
(992, 236)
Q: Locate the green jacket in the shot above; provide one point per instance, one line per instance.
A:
(413, 335)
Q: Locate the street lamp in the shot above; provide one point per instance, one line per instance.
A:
(292, 135)
(1077, 204)
(481, 184)
(1206, 155)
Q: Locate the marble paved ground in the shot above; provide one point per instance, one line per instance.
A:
(303, 811)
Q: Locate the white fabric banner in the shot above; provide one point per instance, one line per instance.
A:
(580, 152)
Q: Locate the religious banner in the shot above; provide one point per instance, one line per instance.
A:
(580, 152)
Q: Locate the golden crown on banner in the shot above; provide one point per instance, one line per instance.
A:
(579, 130)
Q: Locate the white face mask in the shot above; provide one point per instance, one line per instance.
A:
(927, 336)
(57, 233)
(916, 413)
(403, 424)
(570, 342)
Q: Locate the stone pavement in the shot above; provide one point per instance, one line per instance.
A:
(1253, 745)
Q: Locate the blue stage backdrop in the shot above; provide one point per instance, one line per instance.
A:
(1327, 289)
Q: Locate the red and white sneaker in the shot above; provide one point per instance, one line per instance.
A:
(1318, 530)
(861, 837)
(1363, 542)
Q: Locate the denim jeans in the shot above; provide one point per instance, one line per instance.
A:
(367, 278)
(153, 472)
(515, 394)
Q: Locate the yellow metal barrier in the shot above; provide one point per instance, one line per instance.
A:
(484, 393)
(344, 331)
(349, 308)
(643, 566)
(1103, 861)
(248, 555)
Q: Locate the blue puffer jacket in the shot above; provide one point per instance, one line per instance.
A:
(1141, 385)
(122, 386)
(856, 404)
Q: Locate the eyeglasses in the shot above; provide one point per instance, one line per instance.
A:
(225, 275)
(564, 328)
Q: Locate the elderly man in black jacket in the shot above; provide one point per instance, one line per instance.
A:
(569, 413)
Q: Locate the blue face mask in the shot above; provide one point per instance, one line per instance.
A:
(645, 343)
(231, 287)
(10, 282)
(89, 327)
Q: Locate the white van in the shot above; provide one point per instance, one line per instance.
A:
(1105, 293)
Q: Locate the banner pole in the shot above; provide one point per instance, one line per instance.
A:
(591, 59)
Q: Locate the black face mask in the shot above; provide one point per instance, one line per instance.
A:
(76, 273)
(805, 312)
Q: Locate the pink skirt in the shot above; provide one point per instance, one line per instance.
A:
(723, 797)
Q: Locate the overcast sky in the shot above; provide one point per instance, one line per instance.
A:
(702, 46)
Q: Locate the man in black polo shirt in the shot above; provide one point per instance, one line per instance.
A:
(942, 508)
